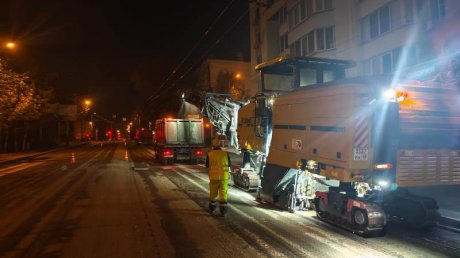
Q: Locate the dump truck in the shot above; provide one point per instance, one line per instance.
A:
(178, 140)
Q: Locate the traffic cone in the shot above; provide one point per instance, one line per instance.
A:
(72, 158)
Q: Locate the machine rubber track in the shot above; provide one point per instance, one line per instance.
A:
(246, 184)
(333, 220)
(357, 220)
(246, 180)
(417, 212)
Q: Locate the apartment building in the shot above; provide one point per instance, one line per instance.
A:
(381, 36)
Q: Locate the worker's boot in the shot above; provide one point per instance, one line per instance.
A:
(212, 207)
(223, 211)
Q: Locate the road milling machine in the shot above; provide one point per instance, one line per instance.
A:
(353, 149)
(223, 113)
(248, 124)
(349, 148)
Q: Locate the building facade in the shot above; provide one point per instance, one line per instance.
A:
(380, 36)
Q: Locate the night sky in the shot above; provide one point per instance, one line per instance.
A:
(120, 52)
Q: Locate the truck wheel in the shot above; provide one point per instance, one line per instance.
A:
(164, 161)
(360, 218)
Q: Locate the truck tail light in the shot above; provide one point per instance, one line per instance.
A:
(167, 152)
(198, 152)
(382, 166)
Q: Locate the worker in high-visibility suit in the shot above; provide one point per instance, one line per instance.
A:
(218, 162)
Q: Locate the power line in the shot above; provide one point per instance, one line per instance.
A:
(199, 60)
(205, 34)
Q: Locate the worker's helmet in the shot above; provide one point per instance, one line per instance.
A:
(215, 142)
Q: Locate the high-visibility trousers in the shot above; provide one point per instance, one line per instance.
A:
(218, 188)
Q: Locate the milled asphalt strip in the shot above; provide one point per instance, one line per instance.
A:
(232, 192)
(242, 213)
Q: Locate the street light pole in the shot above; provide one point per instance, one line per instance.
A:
(86, 107)
(93, 127)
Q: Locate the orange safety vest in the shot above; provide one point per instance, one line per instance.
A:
(218, 165)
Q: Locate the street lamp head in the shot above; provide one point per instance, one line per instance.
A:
(86, 105)
(238, 75)
(10, 45)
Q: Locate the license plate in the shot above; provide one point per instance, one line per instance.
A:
(360, 154)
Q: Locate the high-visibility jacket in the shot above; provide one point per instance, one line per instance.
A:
(219, 162)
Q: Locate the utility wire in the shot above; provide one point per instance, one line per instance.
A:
(199, 60)
(205, 34)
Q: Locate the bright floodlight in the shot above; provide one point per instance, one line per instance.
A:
(383, 183)
(394, 95)
(389, 94)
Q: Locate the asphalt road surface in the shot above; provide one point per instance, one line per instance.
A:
(112, 200)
